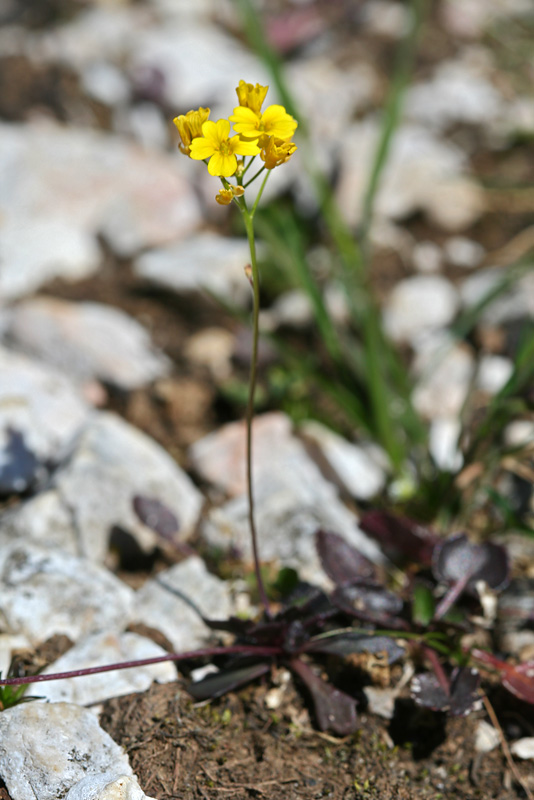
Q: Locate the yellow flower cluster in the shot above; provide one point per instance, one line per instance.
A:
(267, 134)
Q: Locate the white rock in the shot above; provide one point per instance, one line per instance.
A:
(46, 749)
(44, 592)
(107, 787)
(212, 348)
(493, 373)
(486, 737)
(111, 463)
(443, 443)
(463, 252)
(37, 251)
(358, 472)
(8, 643)
(523, 748)
(98, 650)
(427, 257)
(205, 262)
(515, 302)
(41, 403)
(293, 500)
(165, 611)
(446, 373)
(423, 173)
(418, 305)
(43, 519)
(456, 93)
(134, 197)
(292, 308)
(105, 83)
(519, 433)
(76, 338)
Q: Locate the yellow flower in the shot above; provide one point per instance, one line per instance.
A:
(221, 150)
(190, 125)
(275, 152)
(275, 121)
(251, 96)
(225, 196)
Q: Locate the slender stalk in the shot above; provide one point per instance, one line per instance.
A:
(248, 217)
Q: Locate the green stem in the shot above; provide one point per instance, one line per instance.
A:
(248, 217)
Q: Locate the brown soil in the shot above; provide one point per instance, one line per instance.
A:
(238, 748)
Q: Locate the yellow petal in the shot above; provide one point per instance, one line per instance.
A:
(201, 148)
(223, 129)
(221, 165)
(243, 148)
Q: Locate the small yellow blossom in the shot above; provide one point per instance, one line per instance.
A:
(275, 121)
(216, 144)
(225, 196)
(251, 96)
(189, 126)
(276, 151)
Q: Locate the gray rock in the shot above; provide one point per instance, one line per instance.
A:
(445, 374)
(423, 173)
(46, 749)
(354, 467)
(105, 83)
(40, 403)
(111, 463)
(98, 650)
(44, 592)
(418, 305)
(161, 609)
(107, 787)
(43, 519)
(134, 197)
(463, 252)
(205, 262)
(76, 338)
(37, 251)
(292, 498)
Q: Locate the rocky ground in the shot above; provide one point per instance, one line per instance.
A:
(123, 374)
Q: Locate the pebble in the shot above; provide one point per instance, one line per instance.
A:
(443, 440)
(493, 373)
(427, 257)
(463, 252)
(107, 787)
(445, 374)
(212, 348)
(516, 302)
(46, 749)
(424, 173)
(75, 338)
(159, 608)
(486, 737)
(519, 433)
(105, 83)
(418, 305)
(43, 519)
(523, 748)
(111, 463)
(40, 403)
(44, 592)
(206, 262)
(354, 467)
(98, 650)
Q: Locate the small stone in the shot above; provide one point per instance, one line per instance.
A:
(443, 443)
(355, 468)
(107, 787)
(207, 262)
(519, 433)
(76, 337)
(418, 305)
(47, 748)
(515, 302)
(44, 592)
(98, 650)
(40, 403)
(105, 83)
(427, 257)
(523, 748)
(463, 252)
(113, 462)
(160, 608)
(445, 371)
(212, 348)
(486, 737)
(493, 373)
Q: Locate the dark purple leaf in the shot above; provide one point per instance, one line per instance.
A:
(371, 603)
(334, 710)
(156, 516)
(226, 681)
(344, 644)
(457, 559)
(19, 467)
(341, 561)
(461, 698)
(400, 536)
